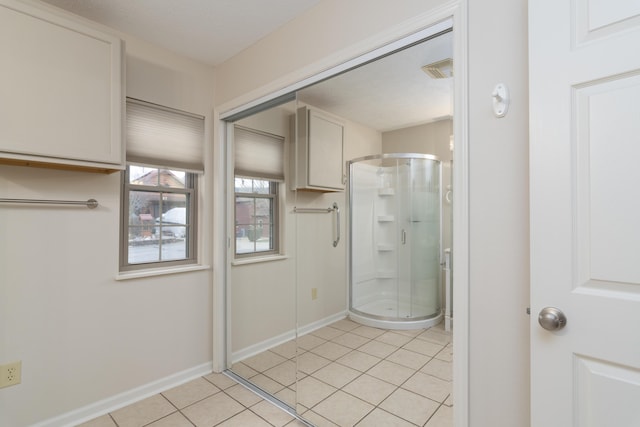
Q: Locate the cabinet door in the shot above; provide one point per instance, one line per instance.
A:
(325, 152)
(60, 87)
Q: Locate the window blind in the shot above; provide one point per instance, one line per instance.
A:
(258, 154)
(165, 137)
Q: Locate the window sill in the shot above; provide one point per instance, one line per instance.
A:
(257, 259)
(137, 274)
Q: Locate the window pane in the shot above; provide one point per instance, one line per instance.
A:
(261, 186)
(174, 249)
(254, 224)
(244, 185)
(172, 178)
(173, 221)
(142, 175)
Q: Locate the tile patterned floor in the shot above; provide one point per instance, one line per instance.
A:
(349, 375)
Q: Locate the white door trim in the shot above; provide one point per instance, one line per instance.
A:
(455, 13)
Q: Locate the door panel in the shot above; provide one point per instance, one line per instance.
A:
(585, 198)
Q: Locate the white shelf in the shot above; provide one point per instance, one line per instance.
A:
(386, 191)
(386, 274)
(386, 218)
(386, 248)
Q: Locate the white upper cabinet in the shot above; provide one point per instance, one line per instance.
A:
(61, 91)
(319, 148)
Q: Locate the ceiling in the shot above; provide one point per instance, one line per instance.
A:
(209, 31)
(387, 94)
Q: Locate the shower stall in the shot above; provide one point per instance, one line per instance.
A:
(395, 236)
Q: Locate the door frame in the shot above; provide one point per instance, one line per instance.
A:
(455, 13)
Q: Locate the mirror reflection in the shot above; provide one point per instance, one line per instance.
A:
(340, 283)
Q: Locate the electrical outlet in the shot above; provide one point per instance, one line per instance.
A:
(10, 374)
(314, 293)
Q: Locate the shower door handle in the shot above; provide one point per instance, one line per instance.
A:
(337, 211)
(403, 236)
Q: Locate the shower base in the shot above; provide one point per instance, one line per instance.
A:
(384, 314)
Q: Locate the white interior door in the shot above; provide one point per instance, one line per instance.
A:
(585, 211)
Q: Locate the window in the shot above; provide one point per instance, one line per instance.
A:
(159, 187)
(259, 171)
(160, 210)
(256, 214)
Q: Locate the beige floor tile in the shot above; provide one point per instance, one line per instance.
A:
(442, 418)
(343, 409)
(243, 395)
(103, 421)
(296, 423)
(409, 406)
(318, 420)
(410, 359)
(409, 332)
(436, 336)
(336, 375)
(378, 349)
(428, 386)
(174, 420)
(272, 413)
(446, 354)
(191, 392)
(345, 325)
(327, 333)
(368, 332)
(263, 361)
(245, 419)
(350, 340)
(394, 339)
(309, 362)
(424, 347)
(284, 373)
(380, 418)
(243, 370)
(369, 389)
(212, 410)
(391, 372)
(439, 368)
(267, 384)
(359, 360)
(288, 396)
(220, 380)
(308, 342)
(143, 412)
(449, 400)
(331, 350)
(312, 391)
(287, 350)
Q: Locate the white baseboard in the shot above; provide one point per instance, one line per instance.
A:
(265, 345)
(110, 404)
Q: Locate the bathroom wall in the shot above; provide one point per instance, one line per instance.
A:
(84, 337)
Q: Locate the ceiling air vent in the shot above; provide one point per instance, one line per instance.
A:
(439, 70)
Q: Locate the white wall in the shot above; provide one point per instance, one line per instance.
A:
(82, 335)
(336, 31)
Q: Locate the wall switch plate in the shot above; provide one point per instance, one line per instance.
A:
(10, 374)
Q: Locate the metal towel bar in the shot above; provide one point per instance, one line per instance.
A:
(334, 208)
(91, 203)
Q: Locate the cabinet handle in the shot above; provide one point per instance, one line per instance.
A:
(337, 211)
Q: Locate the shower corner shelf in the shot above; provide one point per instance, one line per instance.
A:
(386, 275)
(387, 191)
(386, 248)
(386, 218)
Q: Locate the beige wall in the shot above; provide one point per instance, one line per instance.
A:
(499, 213)
(82, 336)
